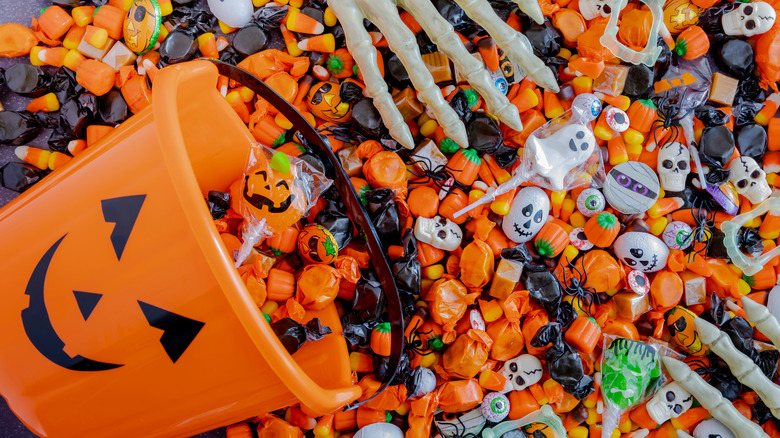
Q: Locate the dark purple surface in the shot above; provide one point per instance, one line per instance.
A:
(21, 11)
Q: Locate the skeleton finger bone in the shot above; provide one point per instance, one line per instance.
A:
(515, 45)
(532, 9)
(712, 400)
(743, 368)
(763, 320)
(441, 32)
(359, 43)
(401, 41)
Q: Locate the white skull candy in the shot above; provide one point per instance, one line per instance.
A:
(749, 19)
(712, 428)
(673, 166)
(591, 9)
(521, 372)
(642, 251)
(438, 232)
(669, 402)
(527, 214)
(749, 179)
(234, 13)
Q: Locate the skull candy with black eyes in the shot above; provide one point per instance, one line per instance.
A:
(749, 179)
(669, 402)
(749, 19)
(642, 251)
(673, 166)
(438, 232)
(521, 372)
(527, 214)
(591, 9)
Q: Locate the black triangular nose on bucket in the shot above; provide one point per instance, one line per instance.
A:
(348, 196)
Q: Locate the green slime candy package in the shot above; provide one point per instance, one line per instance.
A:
(630, 373)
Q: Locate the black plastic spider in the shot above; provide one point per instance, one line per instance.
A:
(439, 175)
(574, 286)
(705, 221)
(339, 132)
(670, 112)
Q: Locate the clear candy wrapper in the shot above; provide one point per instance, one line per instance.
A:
(274, 193)
(631, 373)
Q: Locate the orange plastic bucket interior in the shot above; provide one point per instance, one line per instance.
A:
(188, 142)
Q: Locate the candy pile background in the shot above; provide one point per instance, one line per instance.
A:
(546, 295)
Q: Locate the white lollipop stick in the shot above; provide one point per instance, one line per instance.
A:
(491, 195)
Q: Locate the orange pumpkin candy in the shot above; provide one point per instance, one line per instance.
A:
(271, 192)
(325, 102)
(317, 245)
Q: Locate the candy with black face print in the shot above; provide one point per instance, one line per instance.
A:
(642, 251)
(631, 187)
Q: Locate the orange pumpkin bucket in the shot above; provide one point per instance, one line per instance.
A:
(121, 312)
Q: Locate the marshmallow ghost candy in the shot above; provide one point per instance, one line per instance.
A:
(527, 214)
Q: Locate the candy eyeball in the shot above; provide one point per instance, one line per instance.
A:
(638, 282)
(677, 235)
(590, 202)
(617, 119)
(579, 240)
(586, 107)
(495, 407)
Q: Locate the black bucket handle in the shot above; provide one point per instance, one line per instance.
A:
(350, 198)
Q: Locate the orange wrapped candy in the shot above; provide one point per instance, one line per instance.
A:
(274, 427)
(634, 28)
(507, 342)
(447, 300)
(318, 284)
(605, 272)
(386, 169)
(268, 62)
(465, 357)
(767, 53)
(460, 395)
(476, 264)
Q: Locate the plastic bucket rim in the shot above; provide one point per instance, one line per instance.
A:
(178, 164)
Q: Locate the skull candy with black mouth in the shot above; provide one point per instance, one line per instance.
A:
(438, 232)
(669, 402)
(642, 251)
(527, 214)
(521, 372)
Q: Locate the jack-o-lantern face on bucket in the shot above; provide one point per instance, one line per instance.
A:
(273, 195)
(325, 102)
(142, 26)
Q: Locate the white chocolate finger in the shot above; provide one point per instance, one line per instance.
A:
(441, 32)
(712, 400)
(743, 368)
(359, 43)
(515, 45)
(532, 9)
(401, 41)
(764, 321)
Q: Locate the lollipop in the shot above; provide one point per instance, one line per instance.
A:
(273, 194)
(552, 160)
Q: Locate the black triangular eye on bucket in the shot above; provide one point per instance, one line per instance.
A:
(178, 331)
(87, 302)
(123, 212)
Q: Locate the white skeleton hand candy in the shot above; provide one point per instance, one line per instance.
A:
(384, 14)
(741, 366)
